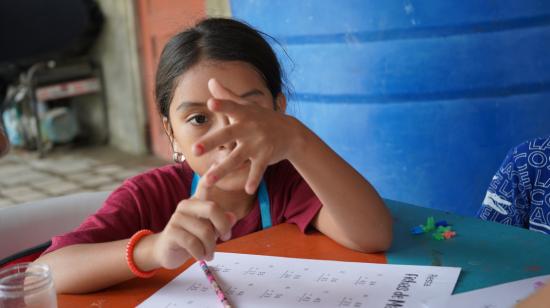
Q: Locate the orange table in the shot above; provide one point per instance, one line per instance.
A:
(488, 253)
(283, 240)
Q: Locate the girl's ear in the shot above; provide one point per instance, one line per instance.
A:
(280, 103)
(170, 133)
(168, 128)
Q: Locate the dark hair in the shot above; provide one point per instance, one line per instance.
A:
(215, 39)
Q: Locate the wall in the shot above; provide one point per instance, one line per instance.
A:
(117, 51)
(424, 98)
(218, 8)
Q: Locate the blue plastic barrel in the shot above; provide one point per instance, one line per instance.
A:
(424, 98)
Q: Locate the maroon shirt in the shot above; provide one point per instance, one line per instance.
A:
(148, 200)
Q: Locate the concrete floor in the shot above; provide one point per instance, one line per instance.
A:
(24, 177)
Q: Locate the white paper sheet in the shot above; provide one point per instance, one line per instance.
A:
(499, 296)
(264, 281)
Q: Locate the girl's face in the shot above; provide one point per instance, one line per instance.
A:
(190, 118)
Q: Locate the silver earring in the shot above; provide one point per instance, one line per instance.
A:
(178, 157)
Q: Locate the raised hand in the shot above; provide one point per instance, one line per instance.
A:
(263, 136)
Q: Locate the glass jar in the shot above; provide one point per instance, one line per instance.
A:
(27, 285)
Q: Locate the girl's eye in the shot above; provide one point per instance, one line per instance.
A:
(198, 119)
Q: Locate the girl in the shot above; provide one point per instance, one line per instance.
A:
(247, 166)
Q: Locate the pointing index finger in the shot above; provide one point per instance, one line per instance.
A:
(203, 189)
(221, 220)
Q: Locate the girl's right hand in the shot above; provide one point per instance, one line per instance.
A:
(193, 230)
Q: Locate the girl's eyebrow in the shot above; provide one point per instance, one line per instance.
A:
(187, 105)
(252, 92)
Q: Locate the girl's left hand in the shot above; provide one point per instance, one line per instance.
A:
(262, 136)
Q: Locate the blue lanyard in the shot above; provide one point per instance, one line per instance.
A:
(263, 199)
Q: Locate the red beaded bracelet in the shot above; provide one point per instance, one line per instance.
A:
(130, 254)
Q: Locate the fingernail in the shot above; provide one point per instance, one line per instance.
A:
(198, 149)
(226, 237)
(250, 189)
(214, 104)
(212, 179)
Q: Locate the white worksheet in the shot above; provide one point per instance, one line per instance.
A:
(500, 296)
(265, 281)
